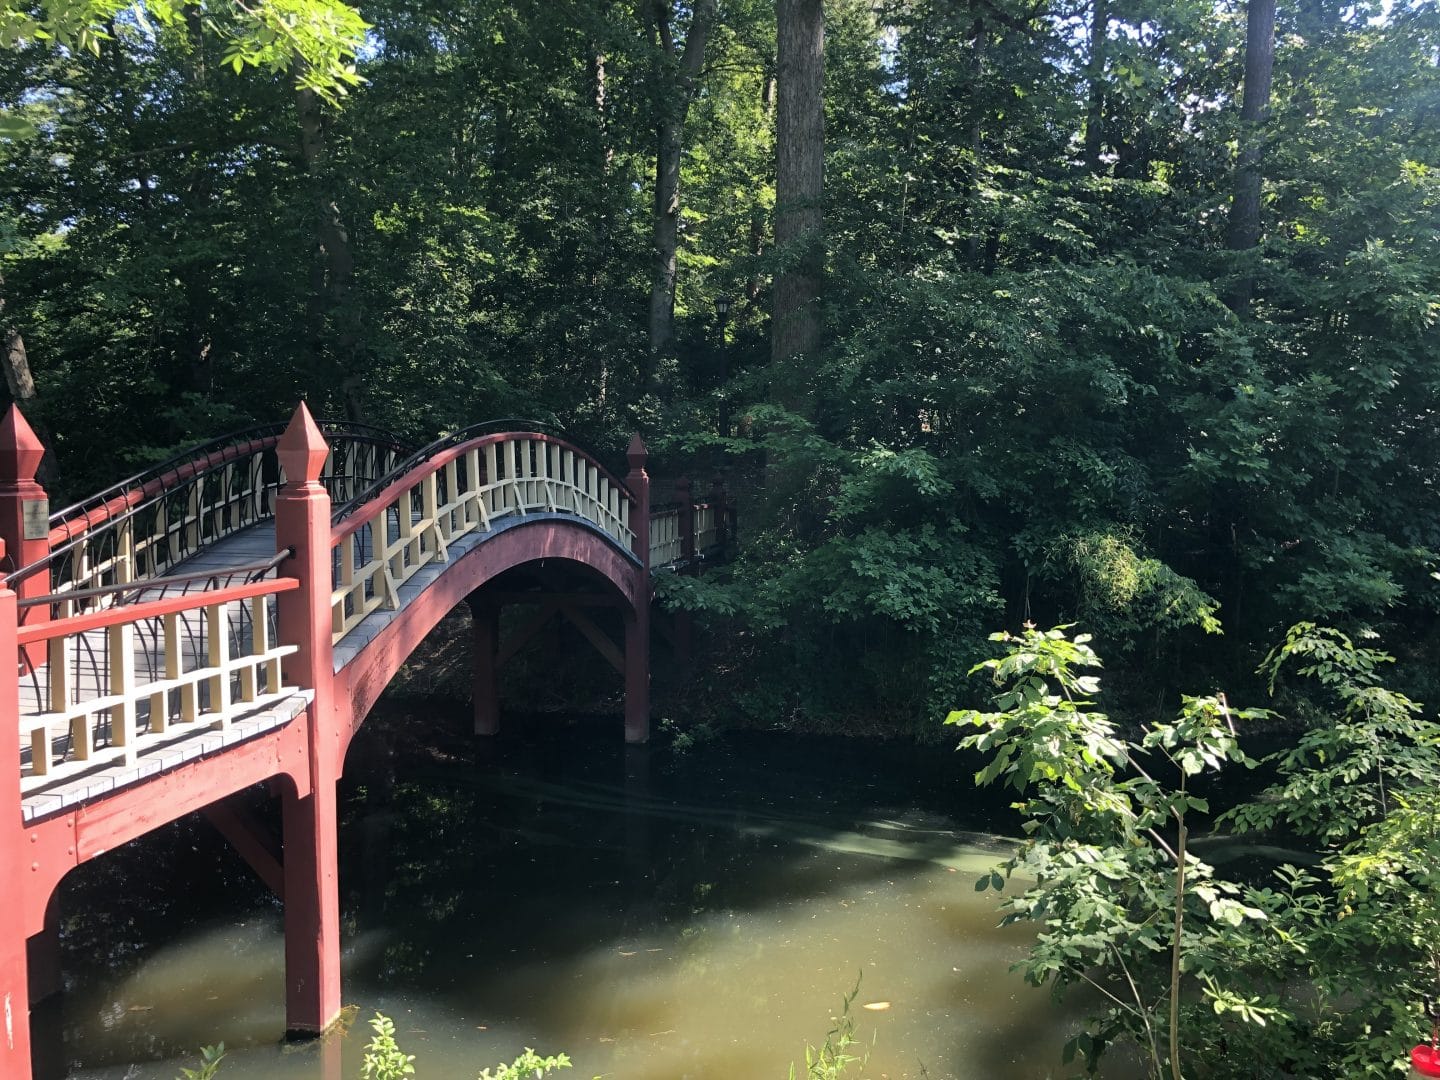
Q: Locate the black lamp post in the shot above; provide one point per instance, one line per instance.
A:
(722, 317)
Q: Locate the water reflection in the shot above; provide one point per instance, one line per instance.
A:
(654, 918)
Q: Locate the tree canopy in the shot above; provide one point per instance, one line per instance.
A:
(1030, 389)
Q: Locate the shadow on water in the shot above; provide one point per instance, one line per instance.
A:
(654, 915)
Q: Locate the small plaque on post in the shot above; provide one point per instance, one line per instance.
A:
(37, 518)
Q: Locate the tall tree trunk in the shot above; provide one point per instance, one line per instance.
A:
(799, 185)
(1095, 76)
(1244, 231)
(331, 282)
(602, 114)
(665, 236)
(972, 183)
(755, 286)
(673, 106)
(198, 374)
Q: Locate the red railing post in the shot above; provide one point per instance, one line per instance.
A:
(14, 863)
(312, 901)
(24, 512)
(637, 622)
(24, 507)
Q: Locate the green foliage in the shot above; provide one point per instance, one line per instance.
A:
(528, 1066)
(210, 1059)
(1342, 774)
(384, 1060)
(1125, 591)
(316, 38)
(833, 1059)
(1194, 968)
(1122, 905)
(1362, 783)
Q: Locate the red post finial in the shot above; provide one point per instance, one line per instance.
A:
(302, 449)
(636, 453)
(20, 448)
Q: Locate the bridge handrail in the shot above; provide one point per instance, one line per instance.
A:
(101, 618)
(670, 548)
(706, 528)
(184, 478)
(341, 511)
(119, 680)
(666, 541)
(233, 444)
(249, 571)
(452, 493)
(446, 451)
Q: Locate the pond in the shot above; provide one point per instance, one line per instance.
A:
(656, 915)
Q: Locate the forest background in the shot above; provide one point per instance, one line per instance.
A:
(1109, 312)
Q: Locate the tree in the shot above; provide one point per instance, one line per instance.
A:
(799, 188)
(1123, 905)
(1095, 79)
(314, 39)
(330, 292)
(676, 81)
(1244, 232)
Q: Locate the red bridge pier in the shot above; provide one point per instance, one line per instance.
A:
(311, 840)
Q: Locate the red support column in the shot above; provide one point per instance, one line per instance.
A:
(311, 843)
(637, 623)
(485, 688)
(14, 864)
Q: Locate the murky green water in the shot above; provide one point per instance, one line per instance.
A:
(655, 917)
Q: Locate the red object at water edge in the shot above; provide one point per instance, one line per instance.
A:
(1425, 1060)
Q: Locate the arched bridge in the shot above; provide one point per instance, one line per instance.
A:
(228, 619)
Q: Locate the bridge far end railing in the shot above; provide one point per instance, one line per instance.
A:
(459, 485)
(140, 528)
(685, 533)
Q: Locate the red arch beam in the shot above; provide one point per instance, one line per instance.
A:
(360, 682)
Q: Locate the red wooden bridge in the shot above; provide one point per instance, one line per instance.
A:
(228, 619)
